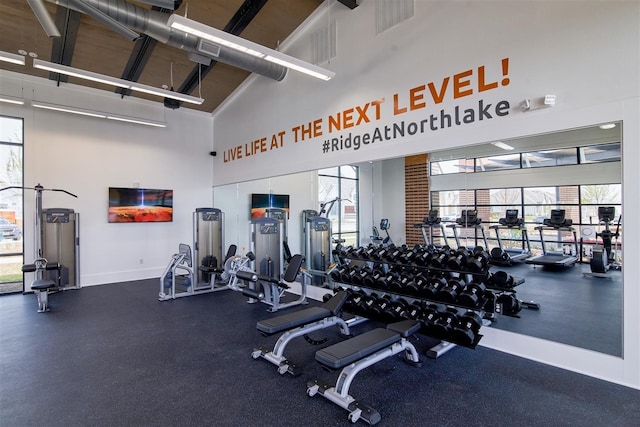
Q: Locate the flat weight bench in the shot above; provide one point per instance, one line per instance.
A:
(41, 287)
(358, 353)
(297, 324)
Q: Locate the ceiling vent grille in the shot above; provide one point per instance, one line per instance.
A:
(323, 43)
(390, 13)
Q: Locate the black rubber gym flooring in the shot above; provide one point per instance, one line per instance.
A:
(113, 355)
(575, 309)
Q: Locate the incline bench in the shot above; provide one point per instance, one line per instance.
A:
(297, 324)
(358, 353)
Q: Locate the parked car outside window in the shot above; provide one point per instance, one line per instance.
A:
(10, 230)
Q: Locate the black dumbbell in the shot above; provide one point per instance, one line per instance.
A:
(346, 276)
(414, 287)
(458, 259)
(466, 331)
(381, 309)
(498, 254)
(444, 324)
(449, 293)
(439, 260)
(368, 252)
(432, 287)
(358, 278)
(336, 273)
(355, 303)
(399, 310)
(500, 279)
(415, 310)
(477, 261)
(371, 279)
(472, 294)
(423, 258)
(430, 314)
(509, 303)
(369, 304)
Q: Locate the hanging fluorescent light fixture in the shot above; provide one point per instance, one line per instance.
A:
(11, 100)
(502, 145)
(138, 121)
(112, 81)
(250, 48)
(13, 58)
(96, 114)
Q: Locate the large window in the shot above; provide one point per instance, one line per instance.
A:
(338, 194)
(533, 159)
(11, 222)
(534, 204)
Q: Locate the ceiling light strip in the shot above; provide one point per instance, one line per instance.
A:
(138, 121)
(502, 145)
(11, 57)
(11, 100)
(65, 109)
(126, 84)
(97, 114)
(254, 49)
(81, 74)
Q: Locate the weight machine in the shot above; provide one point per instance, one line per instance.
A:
(56, 261)
(317, 248)
(208, 244)
(569, 255)
(603, 258)
(508, 256)
(430, 222)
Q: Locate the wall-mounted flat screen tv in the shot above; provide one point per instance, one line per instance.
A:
(140, 205)
(261, 202)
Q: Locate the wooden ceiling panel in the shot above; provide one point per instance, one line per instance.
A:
(102, 50)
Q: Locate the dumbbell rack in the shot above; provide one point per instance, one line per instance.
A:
(400, 264)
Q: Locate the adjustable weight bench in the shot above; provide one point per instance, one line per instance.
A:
(297, 324)
(358, 353)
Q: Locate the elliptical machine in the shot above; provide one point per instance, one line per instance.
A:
(603, 257)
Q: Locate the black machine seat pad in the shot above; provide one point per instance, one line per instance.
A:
(331, 307)
(356, 348)
(406, 328)
(42, 284)
(292, 320)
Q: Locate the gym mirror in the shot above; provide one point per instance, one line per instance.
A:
(577, 170)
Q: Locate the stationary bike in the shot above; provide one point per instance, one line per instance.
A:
(603, 257)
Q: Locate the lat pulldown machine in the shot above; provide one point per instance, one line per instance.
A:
(57, 253)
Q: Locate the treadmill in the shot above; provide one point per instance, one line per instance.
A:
(509, 256)
(430, 222)
(469, 220)
(556, 222)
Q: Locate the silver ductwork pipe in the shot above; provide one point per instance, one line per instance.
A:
(154, 24)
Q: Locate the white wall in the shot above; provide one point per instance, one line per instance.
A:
(87, 155)
(586, 53)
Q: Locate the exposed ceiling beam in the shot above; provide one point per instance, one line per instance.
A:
(235, 26)
(142, 50)
(62, 47)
